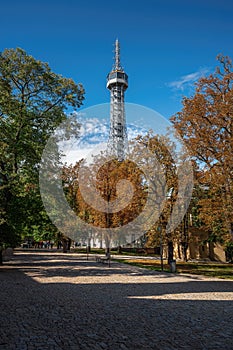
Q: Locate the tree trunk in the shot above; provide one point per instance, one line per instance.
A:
(69, 244)
(119, 249)
(64, 245)
(170, 251)
(1, 257)
(184, 246)
(211, 251)
(178, 248)
(88, 245)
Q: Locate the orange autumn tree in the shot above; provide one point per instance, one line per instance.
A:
(205, 124)
(110, 185)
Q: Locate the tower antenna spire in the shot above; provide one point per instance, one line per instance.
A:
(117, 64)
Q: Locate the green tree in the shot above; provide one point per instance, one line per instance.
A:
(33, 101)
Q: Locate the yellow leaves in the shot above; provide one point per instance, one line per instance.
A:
(206, 125)
(112, 182)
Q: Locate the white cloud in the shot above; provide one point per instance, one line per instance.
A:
(74, 155)
(188, 80)
(92, 132)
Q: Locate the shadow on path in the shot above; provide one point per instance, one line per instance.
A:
(71, 303)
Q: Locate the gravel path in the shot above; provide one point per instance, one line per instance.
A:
(55, 301)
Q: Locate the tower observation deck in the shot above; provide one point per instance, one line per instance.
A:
(117, 83)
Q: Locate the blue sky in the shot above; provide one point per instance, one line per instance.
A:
(165, 44)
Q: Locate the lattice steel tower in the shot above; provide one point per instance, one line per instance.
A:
(117, 83)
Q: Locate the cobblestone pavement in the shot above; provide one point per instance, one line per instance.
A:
(55, 301)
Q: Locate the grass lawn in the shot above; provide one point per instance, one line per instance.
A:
(211, 269)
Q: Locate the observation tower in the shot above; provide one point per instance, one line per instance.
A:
(117, 83)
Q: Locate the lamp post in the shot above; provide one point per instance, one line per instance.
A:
(161, 246)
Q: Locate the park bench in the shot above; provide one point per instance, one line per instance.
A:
(103, 259)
